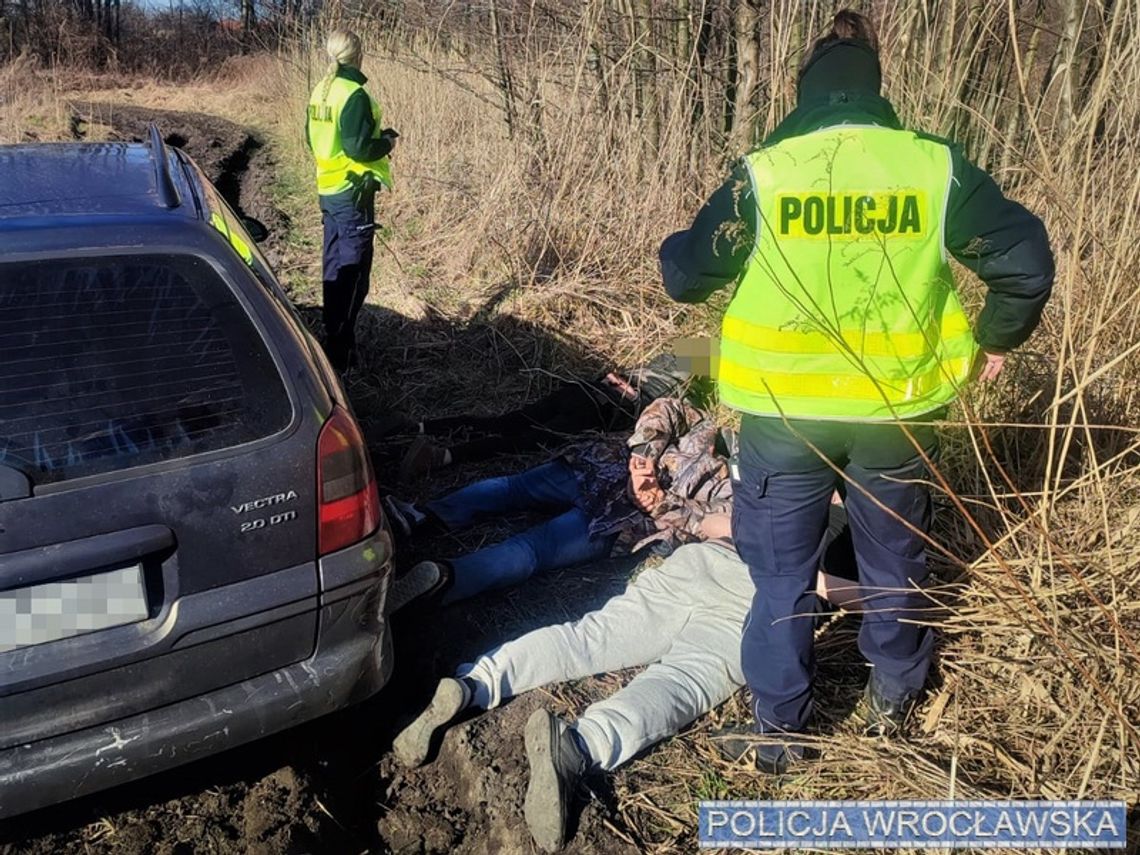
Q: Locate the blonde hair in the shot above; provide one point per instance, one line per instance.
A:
(344, 48)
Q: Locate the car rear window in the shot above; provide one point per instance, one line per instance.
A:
(120, 361)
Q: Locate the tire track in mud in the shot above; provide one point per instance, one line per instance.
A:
(233, 157)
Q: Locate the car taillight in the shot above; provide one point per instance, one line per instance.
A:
(349, 503)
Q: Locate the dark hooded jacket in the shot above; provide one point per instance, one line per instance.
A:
(995, 237)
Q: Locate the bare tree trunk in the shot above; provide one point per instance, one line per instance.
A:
(1095, 55)
(1013, 125)
(682, 39)
(909, 31)
(1063, 61)
(506, 84)
(24, 16)
(746, 26)
(797, 42)
(704, 37)
(975, 33)
(641, 25)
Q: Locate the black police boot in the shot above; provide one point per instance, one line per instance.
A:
(341, 355)
(886, 715)
(557, 766)
(764, 751)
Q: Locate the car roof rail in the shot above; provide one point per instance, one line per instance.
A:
(168, 194)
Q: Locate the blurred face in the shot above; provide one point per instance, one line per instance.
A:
(622, 386)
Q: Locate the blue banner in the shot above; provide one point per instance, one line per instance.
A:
(913, 825)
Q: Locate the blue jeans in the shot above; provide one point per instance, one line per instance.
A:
(562, 541)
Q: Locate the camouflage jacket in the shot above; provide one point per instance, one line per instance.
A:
(681, 441)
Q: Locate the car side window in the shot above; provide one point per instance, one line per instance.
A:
(222, 218)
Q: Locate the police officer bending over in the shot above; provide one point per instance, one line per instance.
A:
(844, 341)
(351, 153)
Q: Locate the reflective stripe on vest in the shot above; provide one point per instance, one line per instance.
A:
(334, 166)
(847, 308)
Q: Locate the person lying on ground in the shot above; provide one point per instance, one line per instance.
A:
(682, 619)
(606, 497)
(607, 404)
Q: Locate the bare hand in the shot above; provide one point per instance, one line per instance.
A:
(991, 368)
(644, 490)
(717, 526)
(639, 465)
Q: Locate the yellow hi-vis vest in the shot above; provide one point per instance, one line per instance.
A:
(847, 309)
(333, 165)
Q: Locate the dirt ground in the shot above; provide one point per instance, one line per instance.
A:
(332, 785)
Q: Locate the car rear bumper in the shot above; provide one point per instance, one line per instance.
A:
(352, 661)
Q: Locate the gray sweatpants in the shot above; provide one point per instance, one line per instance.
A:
(683, 619)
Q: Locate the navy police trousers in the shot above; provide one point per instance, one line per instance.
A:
(349, 225)
(779, 517)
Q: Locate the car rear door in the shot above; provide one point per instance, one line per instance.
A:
(157, 491)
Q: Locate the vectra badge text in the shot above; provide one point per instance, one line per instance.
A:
(268, 501)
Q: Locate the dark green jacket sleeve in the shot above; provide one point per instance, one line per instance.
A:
(713, 251)
(1007, 247)
(357, 128)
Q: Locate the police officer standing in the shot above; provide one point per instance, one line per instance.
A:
(351, 153)
(844, 341)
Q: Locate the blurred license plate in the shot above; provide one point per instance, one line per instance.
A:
(54, 610)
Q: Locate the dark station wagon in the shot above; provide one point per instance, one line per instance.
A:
(192, 553)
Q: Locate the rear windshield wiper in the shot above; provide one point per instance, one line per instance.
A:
(14, 484)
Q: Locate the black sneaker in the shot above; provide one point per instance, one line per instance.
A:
(557, 766)
(764, 751)
(422, 581)
(885, 716)
(450, 699)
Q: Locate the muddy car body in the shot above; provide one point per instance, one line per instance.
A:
(192, 554)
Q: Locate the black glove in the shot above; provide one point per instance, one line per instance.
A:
(388, 141)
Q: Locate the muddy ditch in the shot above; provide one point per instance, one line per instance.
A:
(332, 785)
(233, 157)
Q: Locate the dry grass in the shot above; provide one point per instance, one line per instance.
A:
(1036, 691)
(31, 107)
